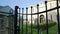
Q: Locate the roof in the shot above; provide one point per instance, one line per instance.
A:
(6, 10)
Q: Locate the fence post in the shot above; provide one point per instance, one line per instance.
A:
(15, 21)
(31, 19)
(19, 22)
(22, 20)
(38, 17)
(46, 17)
(58, 18)
(26, 20)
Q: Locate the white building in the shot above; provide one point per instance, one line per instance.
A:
(50, 4)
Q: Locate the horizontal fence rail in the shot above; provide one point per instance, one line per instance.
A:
(43, 11)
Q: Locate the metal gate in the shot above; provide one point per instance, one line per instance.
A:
(21, 28)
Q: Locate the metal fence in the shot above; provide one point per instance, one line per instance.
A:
(21, 30)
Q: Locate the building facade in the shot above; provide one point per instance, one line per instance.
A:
(6, 20)
(52, 15)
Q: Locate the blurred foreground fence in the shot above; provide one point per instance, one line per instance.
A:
(20, 23)
(14, 23)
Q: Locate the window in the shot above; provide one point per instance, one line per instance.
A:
(41, 18)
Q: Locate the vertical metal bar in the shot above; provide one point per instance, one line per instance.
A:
(26, 20)
(38, 17)
(46, 17)
(15, 21)
(19, 21)
(31, 19)
(22, 19)
(58, 18)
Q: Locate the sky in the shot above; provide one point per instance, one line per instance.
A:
(20, 3)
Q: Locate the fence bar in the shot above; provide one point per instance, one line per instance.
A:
(15, 21)
(31, 19)
(58, 18)
(26, 20)
(19, 21)
(22, 19)
(38, 18)
(46, 17)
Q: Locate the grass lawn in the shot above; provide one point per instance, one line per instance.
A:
(52, 30)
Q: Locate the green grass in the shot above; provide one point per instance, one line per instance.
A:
(52, 30)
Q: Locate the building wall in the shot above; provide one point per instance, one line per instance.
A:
(3, 24)
(6, 20)
(11, 24)
(7, 25)
(50, 5)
